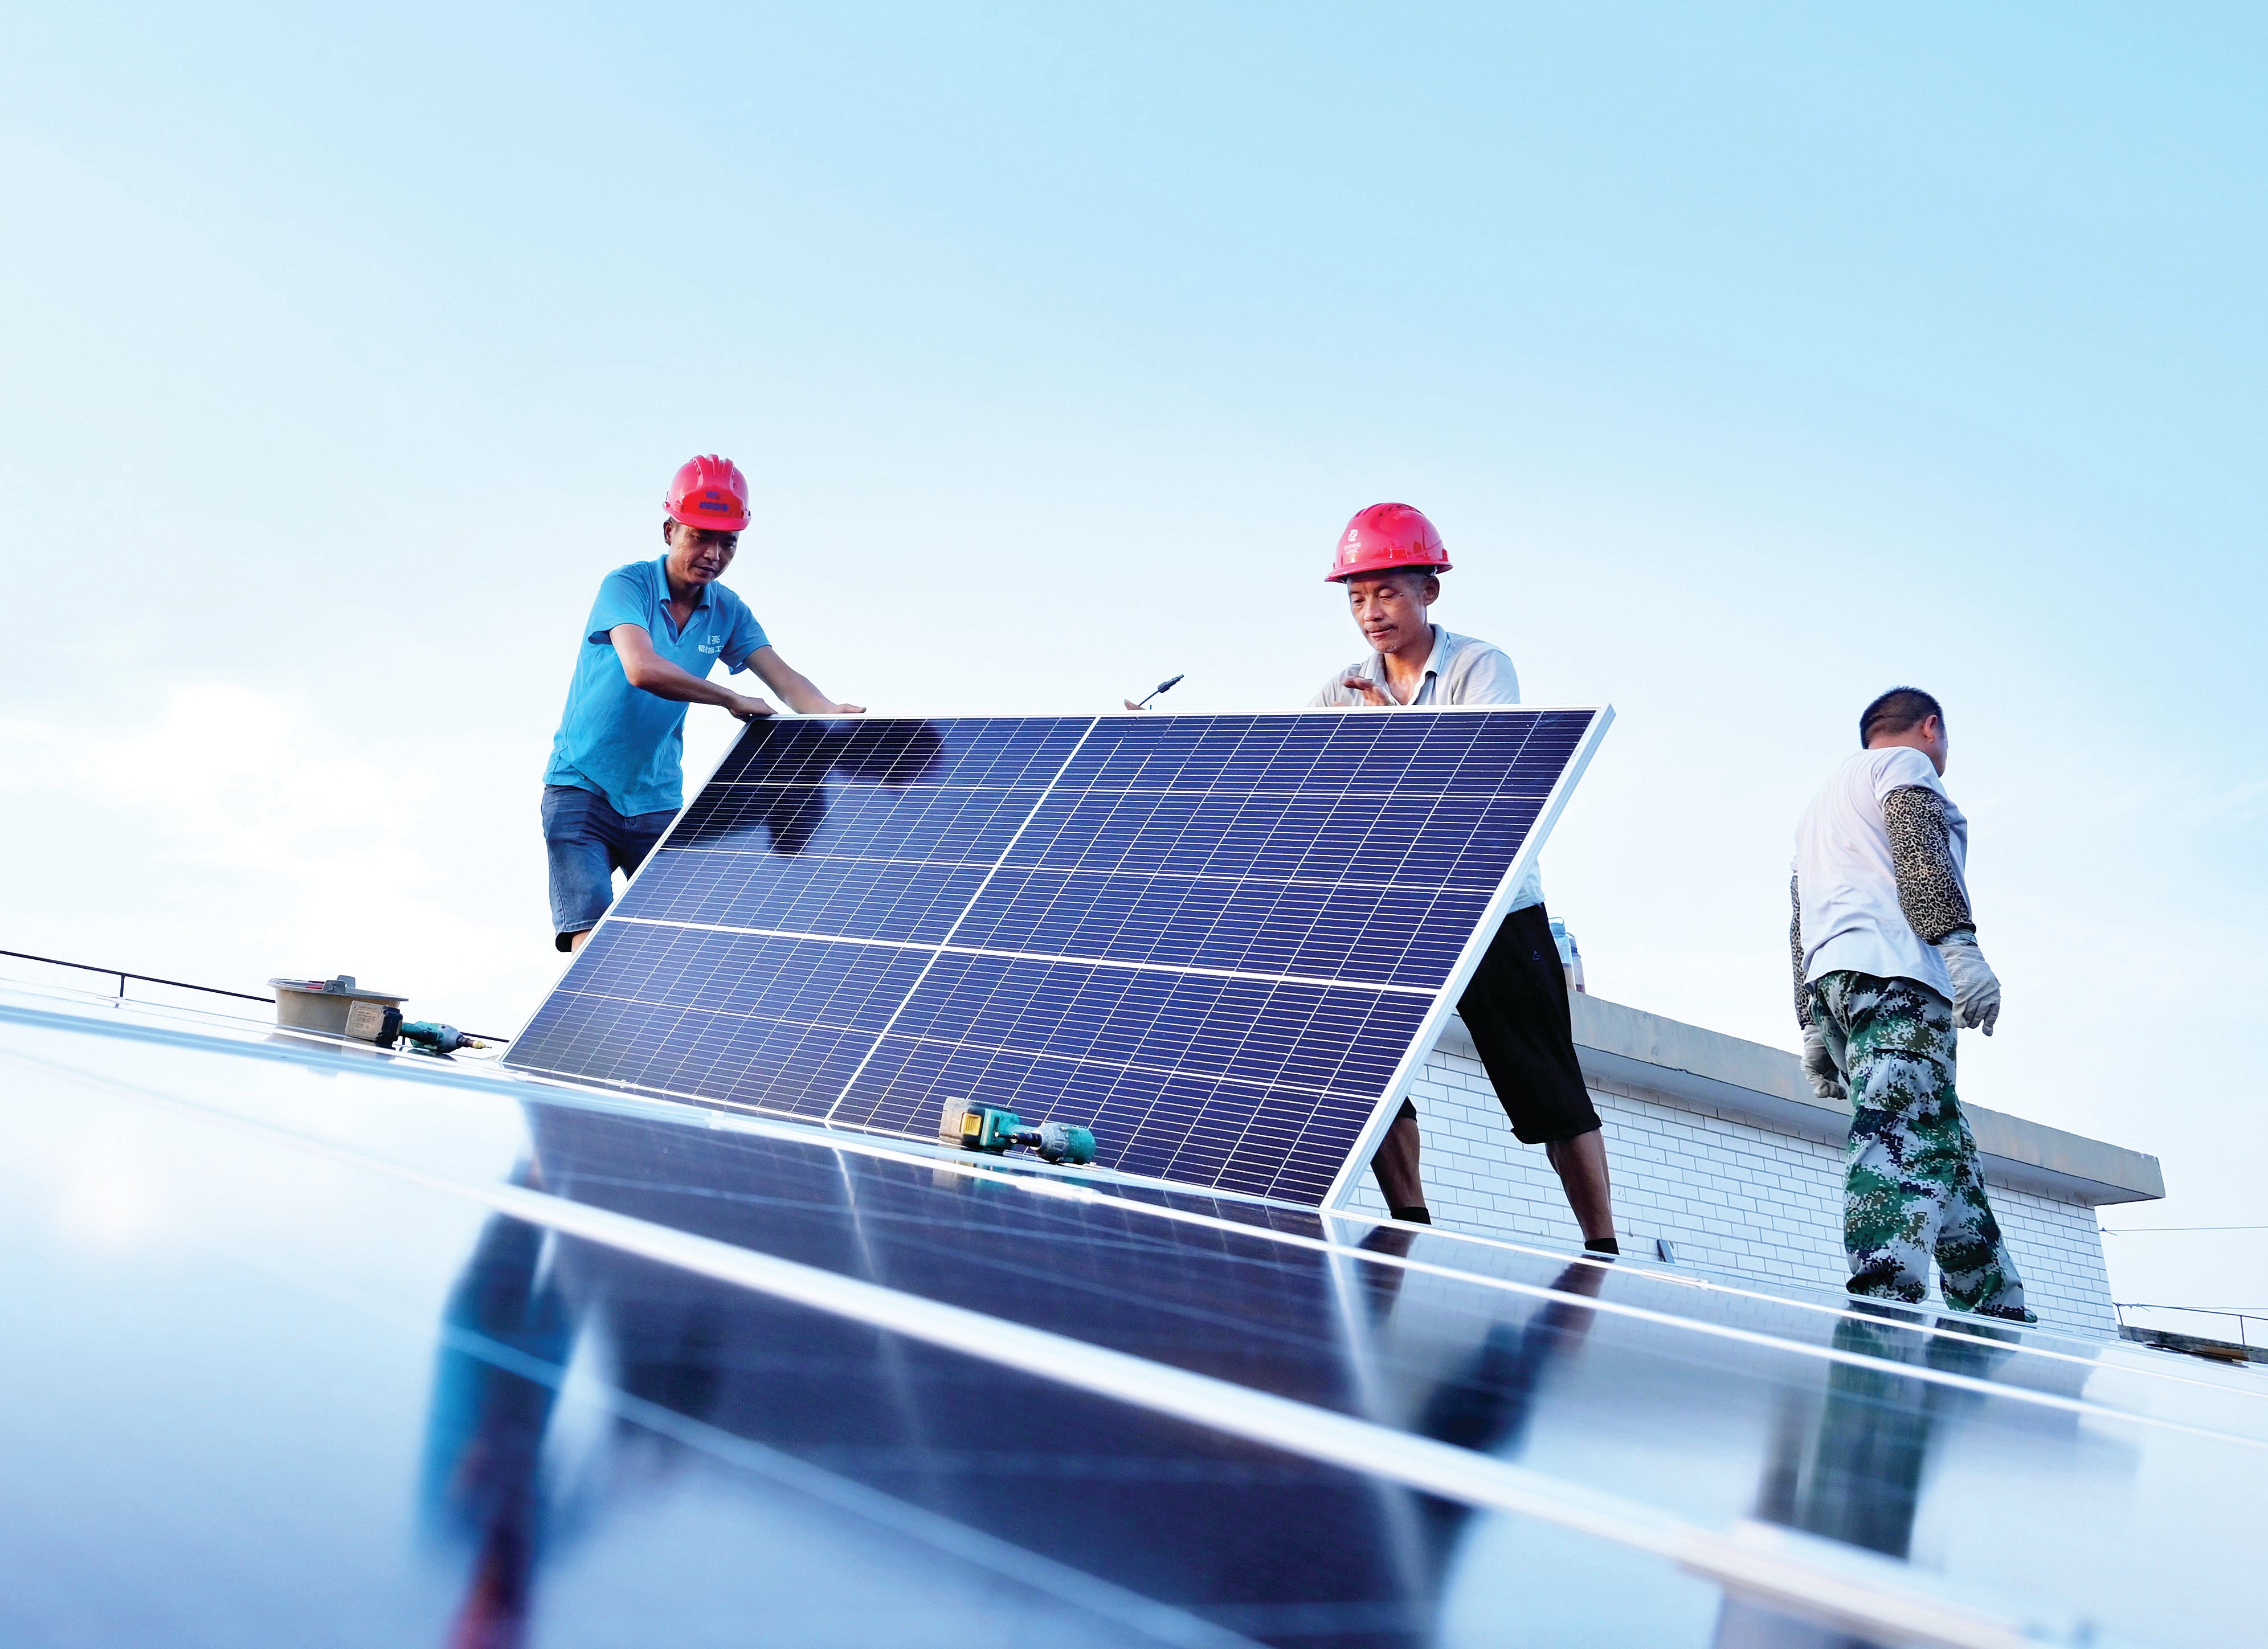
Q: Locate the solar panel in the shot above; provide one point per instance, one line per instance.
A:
(1223, 942)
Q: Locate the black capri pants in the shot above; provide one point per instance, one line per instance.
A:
(1516, 1009)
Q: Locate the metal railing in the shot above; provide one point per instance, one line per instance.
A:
(123, 974)
(2241, 1318)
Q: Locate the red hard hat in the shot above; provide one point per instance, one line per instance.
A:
(710, 493)
(1386, 536)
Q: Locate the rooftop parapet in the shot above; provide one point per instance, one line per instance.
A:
(1629, 1047)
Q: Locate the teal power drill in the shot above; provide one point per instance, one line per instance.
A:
(422, 1037)
(989, 1129)
(428, 1037)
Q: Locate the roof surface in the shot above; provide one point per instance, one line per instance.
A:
(319, 1342)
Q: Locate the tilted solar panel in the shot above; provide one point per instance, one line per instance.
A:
(1221, 941)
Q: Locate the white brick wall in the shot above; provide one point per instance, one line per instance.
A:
(1729, 1193)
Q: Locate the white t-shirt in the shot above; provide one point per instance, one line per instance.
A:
(1459, 671)
(1845, 880)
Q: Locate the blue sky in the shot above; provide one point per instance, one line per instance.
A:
(1751, 360)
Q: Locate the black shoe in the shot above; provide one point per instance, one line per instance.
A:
(1416, 1216)
(1602, 1245)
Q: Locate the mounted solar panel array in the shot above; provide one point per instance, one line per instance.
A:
(1221, 941)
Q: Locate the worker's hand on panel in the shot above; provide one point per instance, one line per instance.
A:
(1819, 1065)
(846, 709)
(1129, 703)
(1975, 987)
(745, 708)
(1370, 692)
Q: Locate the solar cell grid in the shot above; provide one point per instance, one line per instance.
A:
(1388, 934)
(1380, 754)
(1234, 1136)
(859, 818)
(1237, 1028)
(838, 897)
(967, 752)
(658, 1007)
(1213, 938)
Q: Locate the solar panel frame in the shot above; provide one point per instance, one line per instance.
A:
(627, 909)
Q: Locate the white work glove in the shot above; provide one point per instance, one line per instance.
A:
(1819, 1065)
(1975, 987)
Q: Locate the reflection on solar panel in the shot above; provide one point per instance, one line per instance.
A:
(1221, 941)
(743, 1371)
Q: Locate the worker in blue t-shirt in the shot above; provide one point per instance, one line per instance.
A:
(616, 777)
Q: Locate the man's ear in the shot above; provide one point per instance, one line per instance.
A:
(1431, 592)
(666, 540)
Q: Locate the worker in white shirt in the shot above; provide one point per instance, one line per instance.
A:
(1390, 560)
(1887, 972)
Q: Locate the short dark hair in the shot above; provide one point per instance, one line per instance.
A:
(1896, 711)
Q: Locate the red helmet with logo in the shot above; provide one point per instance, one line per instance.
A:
(710, 493)
(1386, 536)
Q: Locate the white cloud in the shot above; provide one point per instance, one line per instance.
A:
(245, 780)
(239, 835)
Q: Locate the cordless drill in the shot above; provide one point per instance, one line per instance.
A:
(989, 1129)
(421, 1036)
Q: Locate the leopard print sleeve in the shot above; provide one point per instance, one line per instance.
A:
(1796, 950)
(1929, 891)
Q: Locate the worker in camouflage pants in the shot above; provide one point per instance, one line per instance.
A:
(1886, 970)
(1912, 1184)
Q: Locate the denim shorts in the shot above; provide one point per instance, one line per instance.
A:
(587, 842)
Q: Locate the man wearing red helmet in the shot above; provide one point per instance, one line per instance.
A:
(1390, 561)
(616, 777)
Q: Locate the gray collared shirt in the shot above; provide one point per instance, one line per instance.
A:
(1459, 671)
